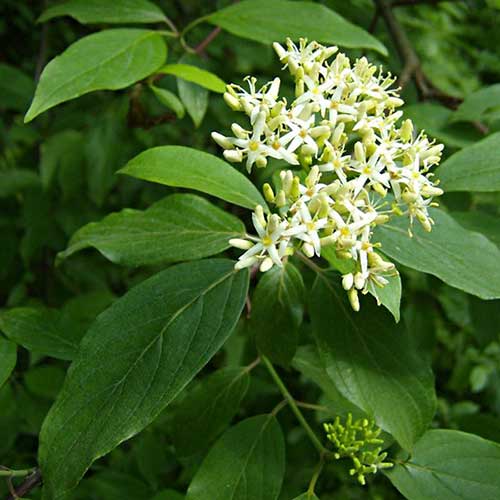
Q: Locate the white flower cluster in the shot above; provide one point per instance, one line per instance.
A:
(356, 164)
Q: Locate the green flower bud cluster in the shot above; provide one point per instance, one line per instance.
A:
(358, 440)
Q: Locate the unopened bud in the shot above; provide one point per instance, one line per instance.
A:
(261, 162)
(268, 192)
(232, 101)
(233, 155)
(280, 200)
(347, 281)
(308, 250)
(282, 53)
(407, 130)
(267, 263)
(359, 152)
(222, 141)
(359, 281)
(241, 243)
(352, 294)
(239, 131)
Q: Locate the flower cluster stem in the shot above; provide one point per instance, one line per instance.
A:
(295, 409)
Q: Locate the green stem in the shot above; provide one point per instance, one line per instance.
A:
(312, 436)
(316, 474)
(15, 473)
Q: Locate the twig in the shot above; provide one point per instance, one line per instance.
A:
(295, 409)
(411, 62)
(200, 48)
(29, 483)
(374, 21)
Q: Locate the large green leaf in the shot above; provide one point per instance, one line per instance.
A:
(186, 167)
(389, 296)
(277, 311)
(246, 463)
(475, 168)
(179, 227)
(8, 358)
(480, 222)
(449, 465)
(170, 100)
(106, 11)
(200, 76)
(373, 362)
(267, 22)
(138, 355)
(110, 59)
(39, 330)
(477, 104)
(209, 408)
(461, 258)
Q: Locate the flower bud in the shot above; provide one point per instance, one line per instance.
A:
(280, 199)
(267, 263)
(241, 243)
(282, 53)
(268, 192)
(250, 261)
(239, 131)
(222, 141)
(232, 101)
(359, 281)
(431, 191)
(261, 162)
(347, 281)
(352, 294)
(359, 152)
(233, 155)
(407, 130)
(308, 250)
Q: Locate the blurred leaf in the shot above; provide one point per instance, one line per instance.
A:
(168, 495)
(150, 452)
(462, 259)
(112, 485)
(475, 168)
(8, 358)
(268, 22)
(16, 180)
(138, 355)
(209, 409)
(246, 463)
(452, 465)
(179, 227)
(170, 100)
(277, 312)
(435, 120)
(480, 222)
(45, 381)
(186, 167)
(307, 496)
(37, 330)
(106, 11)
(484, 425)
(16, 89)
(110, 59)
(201, 77)
(194, 97)
(373, 362)
(476, 105)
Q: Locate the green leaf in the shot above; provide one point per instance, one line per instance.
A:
(209, 409)
(168, 495)
(451, 465)
(277, 312)
(389, 296)
(308, 362)
(307, 496)
(373, 362)
(480, 222)
(201, 77)
(8, 359)
(16, 89)
(110, 59)
(435, 120)
(106, 11)
(179, 227)
(135, 358)
(186, 167)
(15, 180)
(246, 463)
(38, 330)
(268, 22)
(461, 258)
(194, 97)
(45, 381)
(344, 266)
(475, 168)
(170, 100)
(476, 105)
